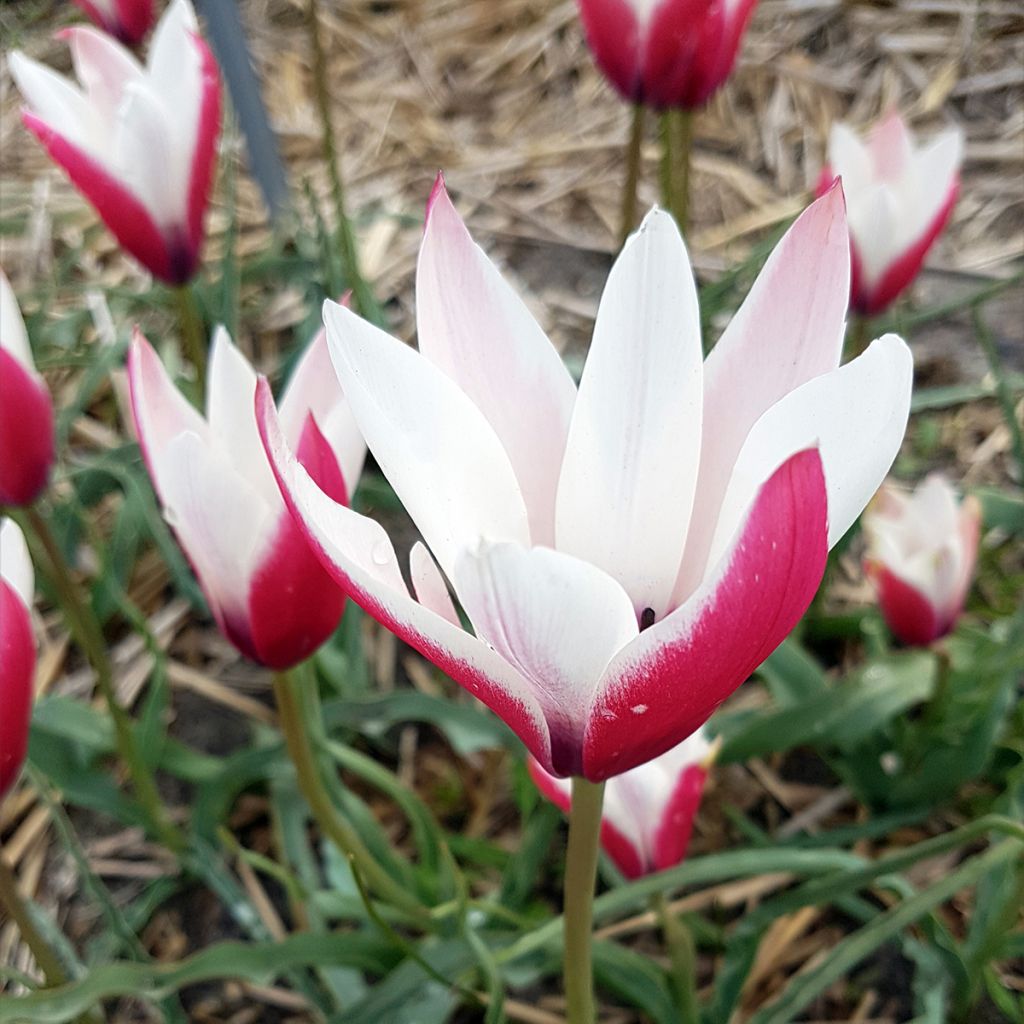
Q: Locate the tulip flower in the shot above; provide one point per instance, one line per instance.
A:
(921, 553)
(127, 20)
(26, 411)
(17, 651)
(629, 552)
(899, 198)
(138, 142)
(268, 592)
(648, 812)
(675, 53)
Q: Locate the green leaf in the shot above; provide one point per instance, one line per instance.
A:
(636, 979)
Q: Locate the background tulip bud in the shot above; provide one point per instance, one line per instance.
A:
(922, 548)
(648, 812)
(138, 142)
(26, 410)
(17, 651)
(898, 196)
(266, 589)
(672, 53)
(126, 20)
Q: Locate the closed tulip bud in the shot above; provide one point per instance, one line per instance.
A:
(899, 197)
(922, 548)
(665, 53)
(139, 142)
(127, 20)
(267, 590)
(17, 651)
(628, 551)
(648, 812)
(26, 410)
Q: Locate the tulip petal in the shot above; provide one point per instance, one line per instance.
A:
(670, 679)
(675, 825)
(16, 562)
(104, 68)
(26, 432)
(627, 485)
(473, 326)
(359, 555)
(555, 618)
(429, 586)
(17, 667)
(230, 413)
(908, 613)
(314, 388)
(60, 106)
(159, 409)
(849, 157)
(444, 461)
(13, 336)
(856, 415)
(788, 331)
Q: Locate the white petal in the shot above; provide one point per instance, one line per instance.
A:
(557, 619)
(474, 327)
(221, 521)
(882, 229)
(13, 336)
(314, 387)
(891, 148)
(434, 446)
(856, 415)
(231, 414)
(104, 67)
(788, 331)
(428, 583)
(15, 561)
(627, 485)
(849, 158)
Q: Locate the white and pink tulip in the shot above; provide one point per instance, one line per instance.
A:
(126, 20)
(648, 812)
(665, 53)
(627, 552)
(26, 410)
(922, 548)
(267, 590)
(899, 198)
(139, 142)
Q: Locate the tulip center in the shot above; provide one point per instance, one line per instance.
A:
(646, 619)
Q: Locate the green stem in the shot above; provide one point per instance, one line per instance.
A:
(580, 877)
(10, 899)
(192, 335)
(633, 153)
(677, 145)
(331, 822)
(1003, 391)
(365, 301)
(87, 632)
(679, 943)
(857, 336)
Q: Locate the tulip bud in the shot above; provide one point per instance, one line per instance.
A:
(137, 141)
(921, 553)
(675, 53)
(898, 198)
(648, 812)
(265, 587)
(17, 651)
(126, 20)
(26, 411)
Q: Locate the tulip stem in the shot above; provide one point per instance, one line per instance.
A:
(679, 943)
(17, 910)
(365, 301)
(1003, 391)
(88, 633)
(289, 688)
(633, 153)
(677, 144)
(191, 326)
(580, 877)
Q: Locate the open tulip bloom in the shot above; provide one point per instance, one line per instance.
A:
(127, 20)
(665, 53)
(17, 651)
(26, 410)
(139, 142)
(899, 197)
(648, 812)
(268, 592)
(921, 553)
(629, 552)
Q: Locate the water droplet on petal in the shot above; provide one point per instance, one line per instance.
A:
(381, 553)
